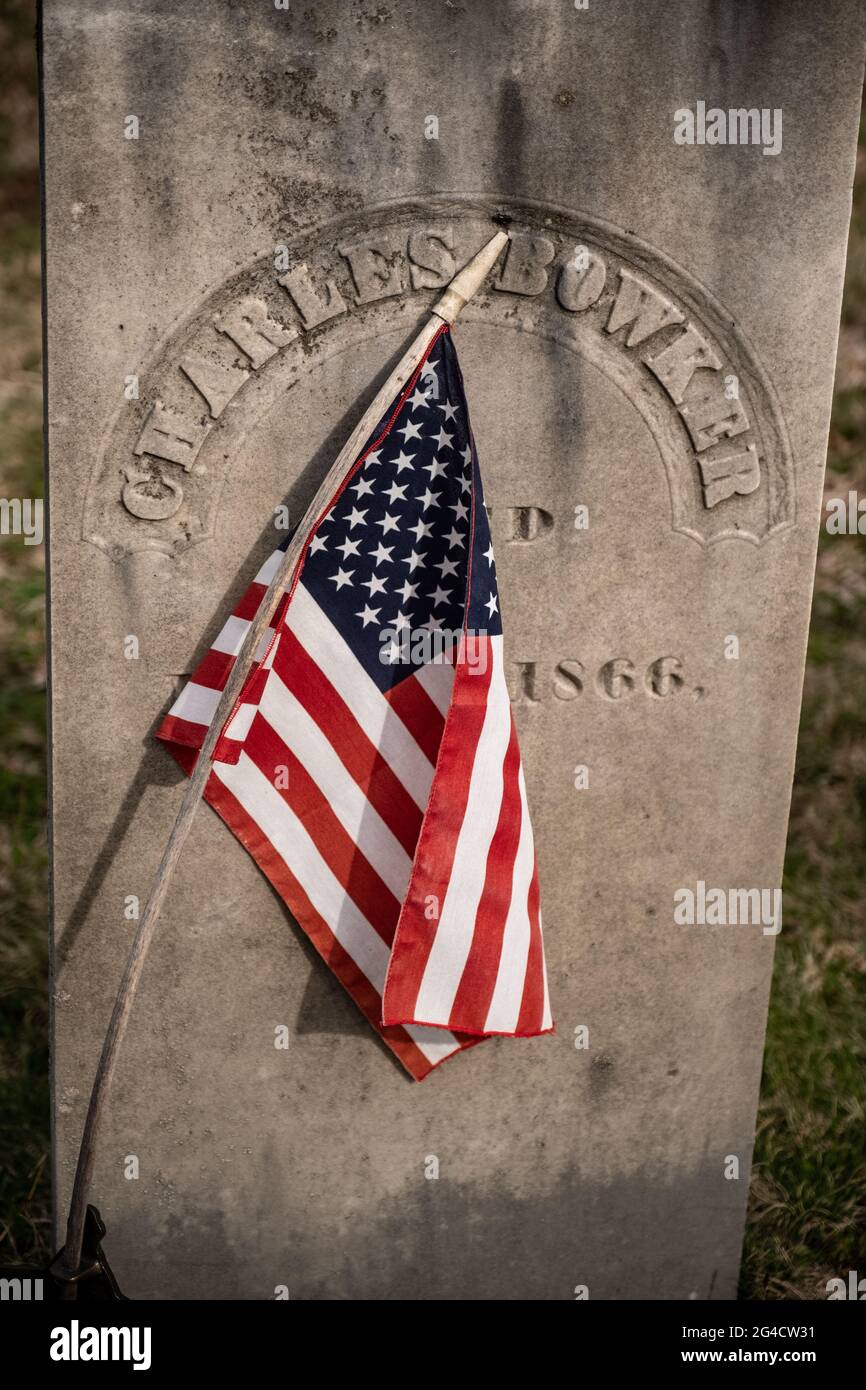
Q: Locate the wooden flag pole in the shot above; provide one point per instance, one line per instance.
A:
(458, 293)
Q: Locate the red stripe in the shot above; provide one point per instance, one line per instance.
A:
(355, 874)
(251, 602)
(422, 718)
(478, 981)
(359, 987)
(532, 1004)
(434, 857)
(383, 789)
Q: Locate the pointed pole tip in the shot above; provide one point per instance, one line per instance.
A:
(470, 278)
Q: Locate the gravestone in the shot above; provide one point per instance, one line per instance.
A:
(249, 210)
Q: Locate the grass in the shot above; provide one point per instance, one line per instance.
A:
(807, 1208)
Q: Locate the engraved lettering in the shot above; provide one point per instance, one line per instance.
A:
(251, 329)
(676, 364)
(640, 308)
(376, 263)
(712, 418)
(432, 264)
(579, 287)
(521, 685)
(616, 678)
(524, 270)
(167, 436)
(664, 677)
(527, 523)
(568, 679)
(734, 473)
(312, 308)
(215, 382)
(149, 495)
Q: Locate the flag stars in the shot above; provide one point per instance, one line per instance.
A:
(413, 560)
(403, 460)
(439, 596)
(382, 554)
(395, 493)
(492, 605)
(488, 554)
(368, 615)
(419, 400)
(356, 518)
(375, 584)
(460, 510)
(446, 567)
(450, 410)
(435, 468)
(348, 548)
(407, 591)
(421, 530)
(317, 543)
(428, 499)
(342, 577)
(455, 537)
(388, 523)
(443, 438)
(362, 486)
(400, 621)
(410, 431)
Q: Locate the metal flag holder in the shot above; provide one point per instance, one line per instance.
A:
(80, 1270)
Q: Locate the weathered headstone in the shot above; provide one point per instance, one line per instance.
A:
(249, 209)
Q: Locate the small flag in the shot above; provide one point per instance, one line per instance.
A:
(371, 764)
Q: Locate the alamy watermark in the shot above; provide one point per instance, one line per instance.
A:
(732, 907)
(407, 646)
(22, 516)
(738, 125)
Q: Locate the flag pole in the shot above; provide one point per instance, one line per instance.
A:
(67, 1267)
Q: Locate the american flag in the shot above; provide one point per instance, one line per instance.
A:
(371, 765)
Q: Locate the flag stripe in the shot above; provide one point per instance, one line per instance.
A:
(504, 1009)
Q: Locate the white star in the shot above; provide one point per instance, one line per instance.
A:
(461, 510)
(368, 614)
(399, 622)
(374, 584)
(413, 560)
(428, 499)
(388, 523)
(488, 554)
(421, 529)
(467, 455)
(317, 543)
(410, 431)
(342, 577)
(403, 460)
(391, 653)
(419, 400)
(454, 537)
(374, 457)
(443, 439)
(435, 468)
(382, 553)
(362, 485)
(450, 410)
(432, 624)
(492, 605)
(407, 591)
(395, 493)
(465, 483)
(447, 567)
(356, 518)
(348, 548)
(439, 596)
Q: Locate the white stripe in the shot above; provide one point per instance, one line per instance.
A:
(437, 680)
(504, 1012)
(359, 692)
(456, 926)
(269, 568)
(287, 836)
(230, 639)
(358, 817)
(546, 1013)
(239, 725)
(197, 703)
